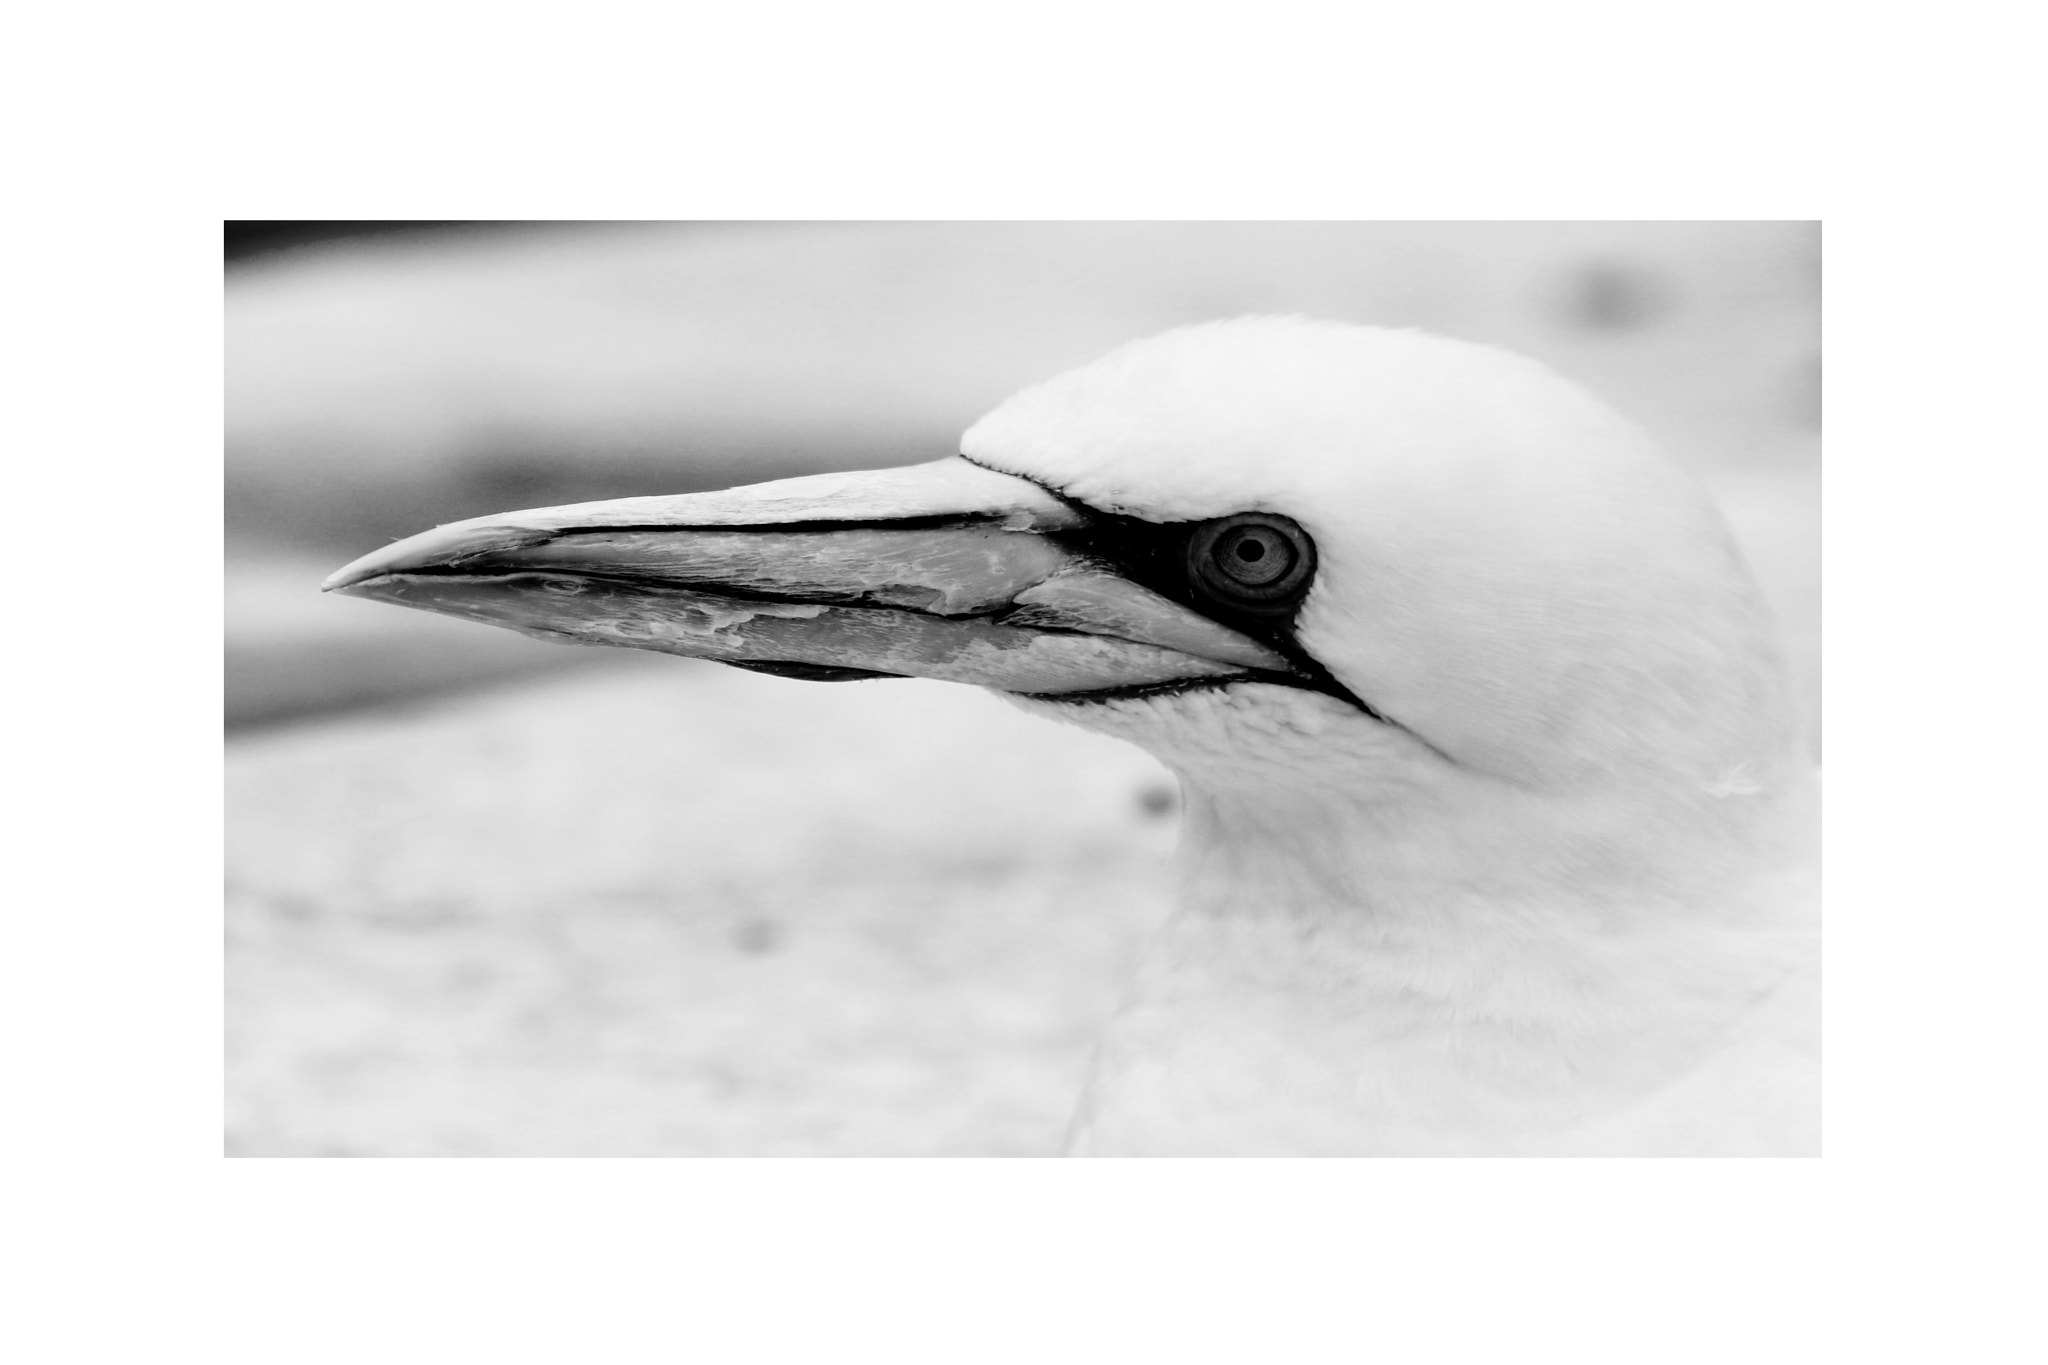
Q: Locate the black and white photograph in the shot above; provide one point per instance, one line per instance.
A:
(836, 619)
(1023, 689)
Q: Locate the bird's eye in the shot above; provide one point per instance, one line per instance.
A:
(1254, 562)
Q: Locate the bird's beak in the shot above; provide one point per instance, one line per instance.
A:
(945, 570)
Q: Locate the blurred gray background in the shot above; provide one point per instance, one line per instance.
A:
(488, 896)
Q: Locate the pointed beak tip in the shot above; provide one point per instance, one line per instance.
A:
(437, 548)
(350, 576)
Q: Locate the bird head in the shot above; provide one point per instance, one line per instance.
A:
(1294, 557)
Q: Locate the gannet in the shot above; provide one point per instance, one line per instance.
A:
(1499, 835)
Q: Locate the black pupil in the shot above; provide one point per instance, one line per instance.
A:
(1255, 557)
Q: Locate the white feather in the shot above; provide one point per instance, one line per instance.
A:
(1567, 903)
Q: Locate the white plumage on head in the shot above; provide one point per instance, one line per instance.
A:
(1568, 904)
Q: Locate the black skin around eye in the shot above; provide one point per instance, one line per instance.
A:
(1157, 555)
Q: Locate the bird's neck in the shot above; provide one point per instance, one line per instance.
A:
(1459, 966)
(1464, 853)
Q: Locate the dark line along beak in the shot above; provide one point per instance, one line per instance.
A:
(945, 570)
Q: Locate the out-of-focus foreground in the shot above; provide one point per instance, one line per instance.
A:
(491, 896)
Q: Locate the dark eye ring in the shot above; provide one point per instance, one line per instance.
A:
(1253, 561)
